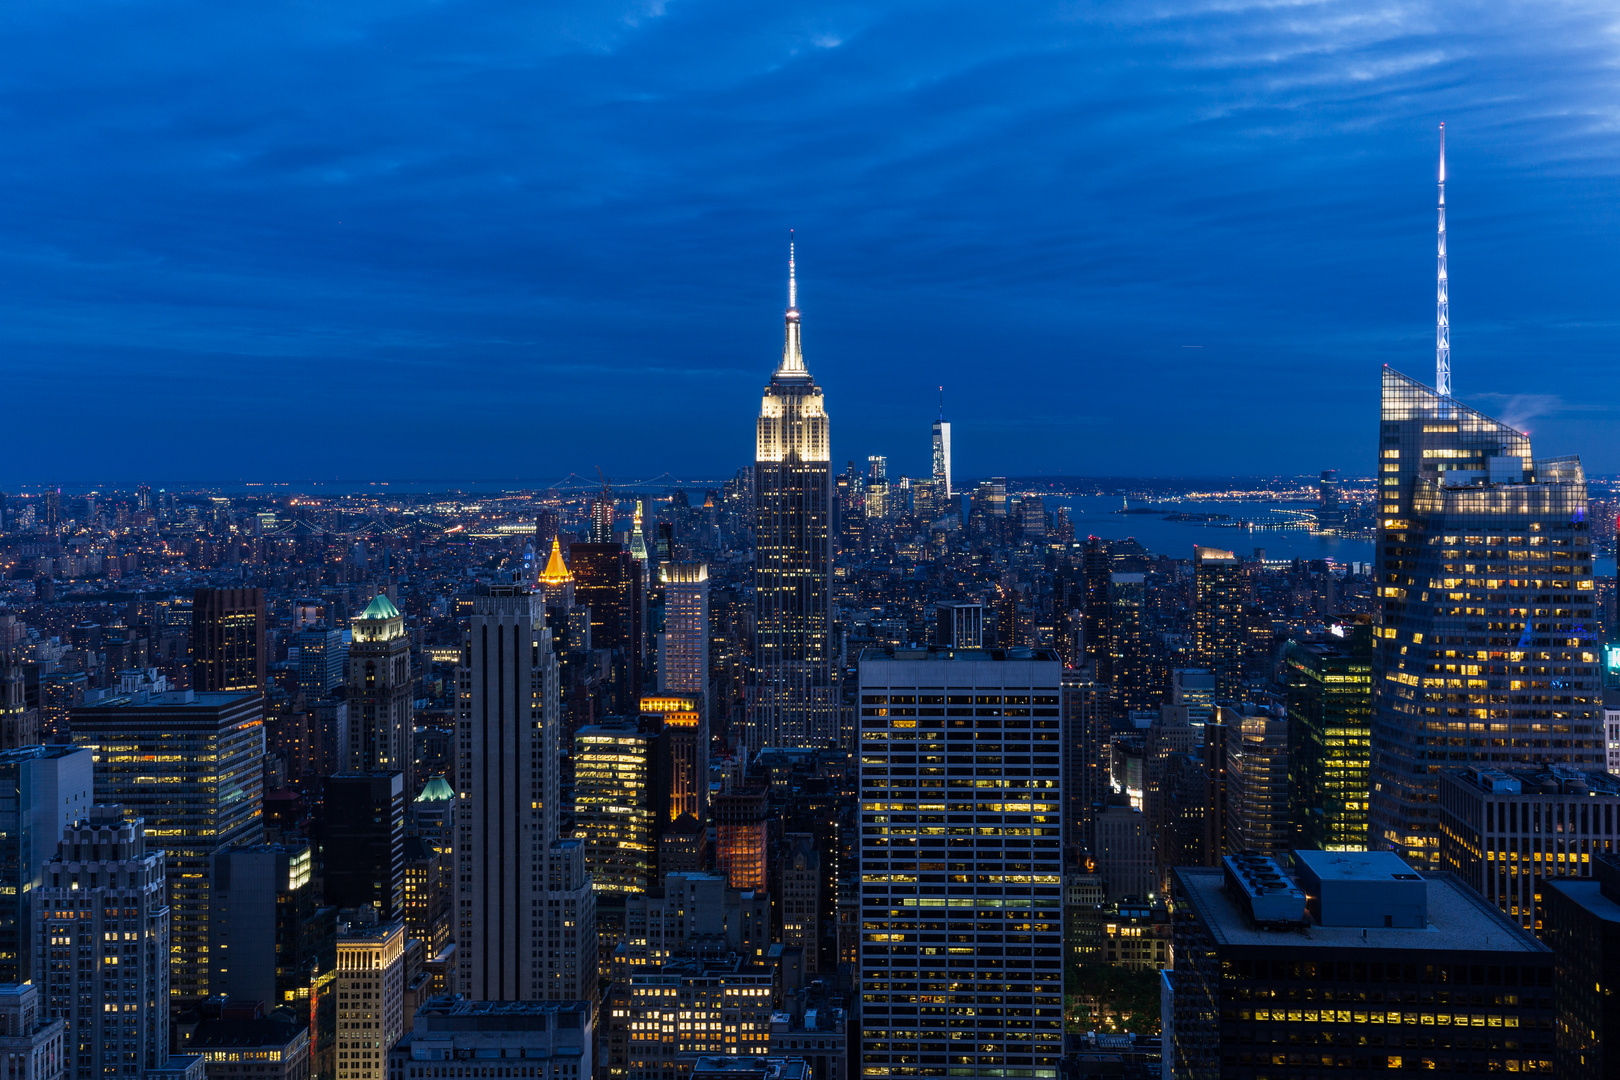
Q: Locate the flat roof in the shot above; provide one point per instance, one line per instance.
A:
(1356, 865)
(1589, 894)
(1459, 920)
(873, 652)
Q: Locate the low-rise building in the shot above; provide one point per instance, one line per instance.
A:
(259, 1048)
(740, 1067)
(691, 1008)
(1136, 935)
(452, 1038)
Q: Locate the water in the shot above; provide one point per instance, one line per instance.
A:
(1093, 515)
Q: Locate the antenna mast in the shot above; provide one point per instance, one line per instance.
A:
(1442, 314)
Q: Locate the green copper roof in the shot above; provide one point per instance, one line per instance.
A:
(380, 608)
(437, 789)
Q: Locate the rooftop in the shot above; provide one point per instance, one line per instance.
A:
(958, 655)
(1589, 894)
(236, 1034)
(380, 608)
(437, 789)
(1458, 919)
(1355, 865)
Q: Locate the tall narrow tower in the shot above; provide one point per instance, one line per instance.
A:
(793, 703)
(1442, 308)
(942, 454)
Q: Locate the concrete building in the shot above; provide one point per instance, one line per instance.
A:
(801, 897)
(1124, 856)
(689, 1008)
(370, 991)
(1266, 967)
(380, 695)
(1505, 832)
(253, 1047)
(1219, 588)
(271, 939)
(42, 791)
(33, 1043)
(452, 1038)
(970, 738)
(181, 737)
(104, 936)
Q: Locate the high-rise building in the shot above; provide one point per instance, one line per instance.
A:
(320, 661)
(608, 582)
(712, 1006)
(42, 791)
(1085, 758)
(271, 939)
(364, 851)
(104, 939)
(983, 711)
(427, 894)
(1258, 812)
(959, 626)
(1359, 935)
(1329, 513)
(942, 456)
(742, 837)
(1507, 832)
(380, 694)
(1096, 568)
(516, 884)
(227, 640)
(683, 648)
(794, 702)
(1486, 637)
(244, 1047)
(617, 801)
(19, 721)
(1329, 739)
(1124, 853)
(192, 765)
(370, 991)
(801, 898)
(556, 582)
(33, 1043)
(683, 772)
(1218, 618)
(1582, 926)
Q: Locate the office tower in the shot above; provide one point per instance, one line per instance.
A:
(33, 1042)
(42, 791)
(1218, 618)
(206, 752)
(959, 626)
(617, 801)
(992, 716)
(1484, 565)
(851, 511)
(53, 510)
(638, 542)
(942, 457)
(556, 583)
(683, 774)
(1582, 926)
(271, 939)
(427, 892)
(1131, 661)
(568, 936)
(227, 640)
(364, 850)
(239, 1047)
(1507, 832)
(608, 582)
(1085, 768)
(1258, 811)
(1329, 514)
(1329, 739)
(1217, 738)
(683, 656)
(742, 837)
(510, 868)
(19, 722)
(320, 661)
(801, 898)
(380, 695)
(794, 703)
(104, 938)
(370, 990)
(1194, 688)
(555, 1040)
(1124, 854)
(1266, 968)
(1096, 568)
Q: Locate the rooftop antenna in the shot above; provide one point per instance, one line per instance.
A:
(942, 403)
(1442, 313)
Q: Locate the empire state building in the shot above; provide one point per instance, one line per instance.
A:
(794, 703)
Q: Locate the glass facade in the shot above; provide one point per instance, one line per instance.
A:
(1329, 740)
(1486, 644)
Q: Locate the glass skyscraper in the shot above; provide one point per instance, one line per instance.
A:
(1329, 739)
(1486, 641)
(794, 701)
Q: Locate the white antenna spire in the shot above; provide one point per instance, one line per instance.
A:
(792, 350)
(793, 281)
(1442, 314)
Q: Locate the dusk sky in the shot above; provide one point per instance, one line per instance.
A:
(460, 240)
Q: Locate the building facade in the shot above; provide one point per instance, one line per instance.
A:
(364, 850)
(794, 701)
(380, 694)
(1486, 645)
(42, 791)
(1258, 811)
(1219, 589)
(1330, 740)
(271, 939)
(616, 804)
(227, 640)
(370, 989)
(961, 843)
(33, 1043)
(452, 1038)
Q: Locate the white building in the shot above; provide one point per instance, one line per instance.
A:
(370, 988)
(961, 860)
(104, 938)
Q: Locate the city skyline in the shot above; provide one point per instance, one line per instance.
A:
(1252, 186)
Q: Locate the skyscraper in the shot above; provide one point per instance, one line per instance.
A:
(1329, 739)
(1486, 641)
(365, 842)
(42, 791)
(380, 696)
(271, 938)
(617, 801)
(683, 660)
(104, 920)
(942, 455)
(1218, 618)
(192, 765)
(510, 866)
(997, 898)
(227, 640)
(794, 701)
(608, 581)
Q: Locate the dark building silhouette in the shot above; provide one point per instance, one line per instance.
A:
(364, 853)
(227, 640)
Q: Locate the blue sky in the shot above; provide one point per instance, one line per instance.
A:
(469, 240)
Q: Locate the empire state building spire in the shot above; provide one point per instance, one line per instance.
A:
(792, 349)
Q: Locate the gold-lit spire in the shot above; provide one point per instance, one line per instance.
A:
(556, 572)
(792, 348)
